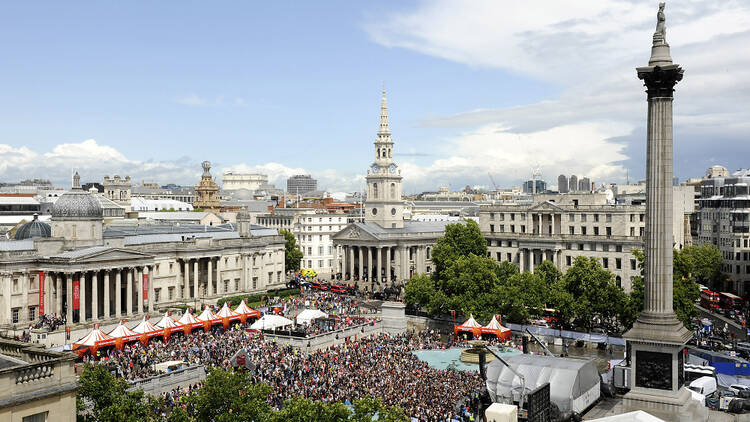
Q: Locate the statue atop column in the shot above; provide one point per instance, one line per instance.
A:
(660, 35)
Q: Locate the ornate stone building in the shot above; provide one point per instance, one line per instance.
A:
(207, 191)
(92, 272)
(385, 248)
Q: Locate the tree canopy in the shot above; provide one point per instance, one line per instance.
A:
(292, 254)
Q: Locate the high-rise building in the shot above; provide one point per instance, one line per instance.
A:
(250, 181)
(528, 186)
(301, 183)
(573, 183)
(562, 183)
(584, 185)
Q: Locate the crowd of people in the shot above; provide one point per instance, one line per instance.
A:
(49, 322)
(380, 366)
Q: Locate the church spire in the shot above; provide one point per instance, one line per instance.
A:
(384, 115)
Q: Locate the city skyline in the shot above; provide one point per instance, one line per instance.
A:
(472, 89)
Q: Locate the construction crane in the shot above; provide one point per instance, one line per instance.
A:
(493, 182)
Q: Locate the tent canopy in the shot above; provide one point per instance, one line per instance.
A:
(569, 378)
(188, 319)
(271, 322)
(167, 322)
(494, 327)
(243, 309)
(207, 315)
(122, 331)
(145, 326)
(227, 312)
(470, 323)
(308, 315)
(93, 337)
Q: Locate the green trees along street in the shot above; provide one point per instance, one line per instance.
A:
(585, 296)
(292, 254)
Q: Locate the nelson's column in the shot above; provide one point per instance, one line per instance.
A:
(656, 343)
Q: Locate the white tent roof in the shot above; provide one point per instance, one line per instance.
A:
(242, 308)
(270, 322)
(207, 315)
(167, 322)
(308, 315)
(471, 322)
(122, 331)
(91, 338)
(637, 416)
(188, 318)
(226, 311)
(145, 326)
(494, 325)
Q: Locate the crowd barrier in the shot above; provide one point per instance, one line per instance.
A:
(322, 341)
(574, 335)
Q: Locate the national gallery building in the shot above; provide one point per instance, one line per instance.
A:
(89, 270)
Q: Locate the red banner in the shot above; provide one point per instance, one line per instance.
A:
(145, 286)
(76, 294)
(41, 292)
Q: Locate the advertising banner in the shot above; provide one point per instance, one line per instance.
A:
(41, 292)
(76, 294)
(145, 286)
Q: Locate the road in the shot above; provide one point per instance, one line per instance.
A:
(719, 321)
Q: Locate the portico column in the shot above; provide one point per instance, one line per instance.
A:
(388, 264)
(210, 267)
(539, 217)
(151, 298)
(106, 295)
(118, 293)
(361, 262)
(532, 254)
(350, 261)
(521, 260)
(139, 288)
(186, 280)
(129, 292)
(95, 296)
(69, 297)
(58, 294)
(554, 258)
(195, 279)
(379, 264)
(82, 309)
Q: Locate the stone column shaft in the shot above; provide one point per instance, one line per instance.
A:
(210, 269)
(196, 295)
(69, 297)
(118, 293)
(378, 264)
(82, 309)
(129, 292)
(388, 264)
(58, 294)
(95, 295)
(106, 295)
(139, 287)
(361, 262)
(151, 298)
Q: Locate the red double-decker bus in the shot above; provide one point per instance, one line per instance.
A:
(730, 301)
(709, 300)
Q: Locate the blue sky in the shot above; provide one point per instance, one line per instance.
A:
(150, 89)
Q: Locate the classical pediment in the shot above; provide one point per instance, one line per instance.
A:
(354, 232)
(546, 206)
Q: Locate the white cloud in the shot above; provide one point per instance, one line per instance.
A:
(588, 49)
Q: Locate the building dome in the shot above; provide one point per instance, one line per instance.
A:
(78, 205)
(33, 229)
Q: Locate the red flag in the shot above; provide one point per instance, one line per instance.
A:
(76, 294)
(41, 293)
(145, 286)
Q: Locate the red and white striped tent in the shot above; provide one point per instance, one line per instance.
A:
(122, 334)
(494, 327)
(146, 328)
(227, 315)
(189, 321)
(470, 326)
(246, 312)
(208, 318)
(92, 341)
(167, 322)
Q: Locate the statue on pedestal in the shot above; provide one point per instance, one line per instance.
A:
(661, 30)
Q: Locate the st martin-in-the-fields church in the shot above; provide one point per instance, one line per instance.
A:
(385, 245)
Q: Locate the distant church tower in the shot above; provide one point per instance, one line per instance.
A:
(384, 205)
(207, 191)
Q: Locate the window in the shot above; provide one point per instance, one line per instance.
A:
(640, 217)
(632, 231)
(393, 191)
(583, 230)
(309, 250)
(320, 250)
(499, 256)
(640, 232)
(236, 284)
(170, 293)
(492, 216)
(632, 264)
(572, 230)
(502, 228)
(605, 262)
(632, 218)
(15, 315)
(37, 417)
(512, 228)
(567, 260)
(375, 190)
(509, 256)
(609, 231)
(596, 231)
(596, 218)
(492, 228)
(428, 253)
(583, 218)
(618, 263)
(255, 283)
(523, 229)
(609, 218)
(32, 313)
(571, 217)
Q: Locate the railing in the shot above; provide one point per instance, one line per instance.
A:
(34, 372)
(575, 335)
(165, 382)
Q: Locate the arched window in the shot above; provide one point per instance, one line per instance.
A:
(383, 152)
(393, 191)
(390, 153)
(375, 190)
(428, 253)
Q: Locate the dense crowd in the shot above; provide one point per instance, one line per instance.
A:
(49, 322)
(381, 366)
(330, 303)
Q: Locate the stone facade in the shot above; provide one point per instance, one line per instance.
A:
(118, 190)
(207, 191)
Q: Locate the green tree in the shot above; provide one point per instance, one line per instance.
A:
(419, 291)
(595, 293)
(292, 254)
(459, 240)
(228, 396)
(300, 409)
(547, 272)
(103, 397)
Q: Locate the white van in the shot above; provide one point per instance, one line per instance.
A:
(703, 385)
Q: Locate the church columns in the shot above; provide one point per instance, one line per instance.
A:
(106, 295)
(210, 279)
(196, 295)
(350, 262)
(361, 262)
(404, 263)
(95, 296)
(82, 303)
(118, 293)
(379, 265)
(388, 264)
(58, 294)
(532, 255)
(186, 280)
(151, 297)
(129, 292)
(69, 297)
(369, 264)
